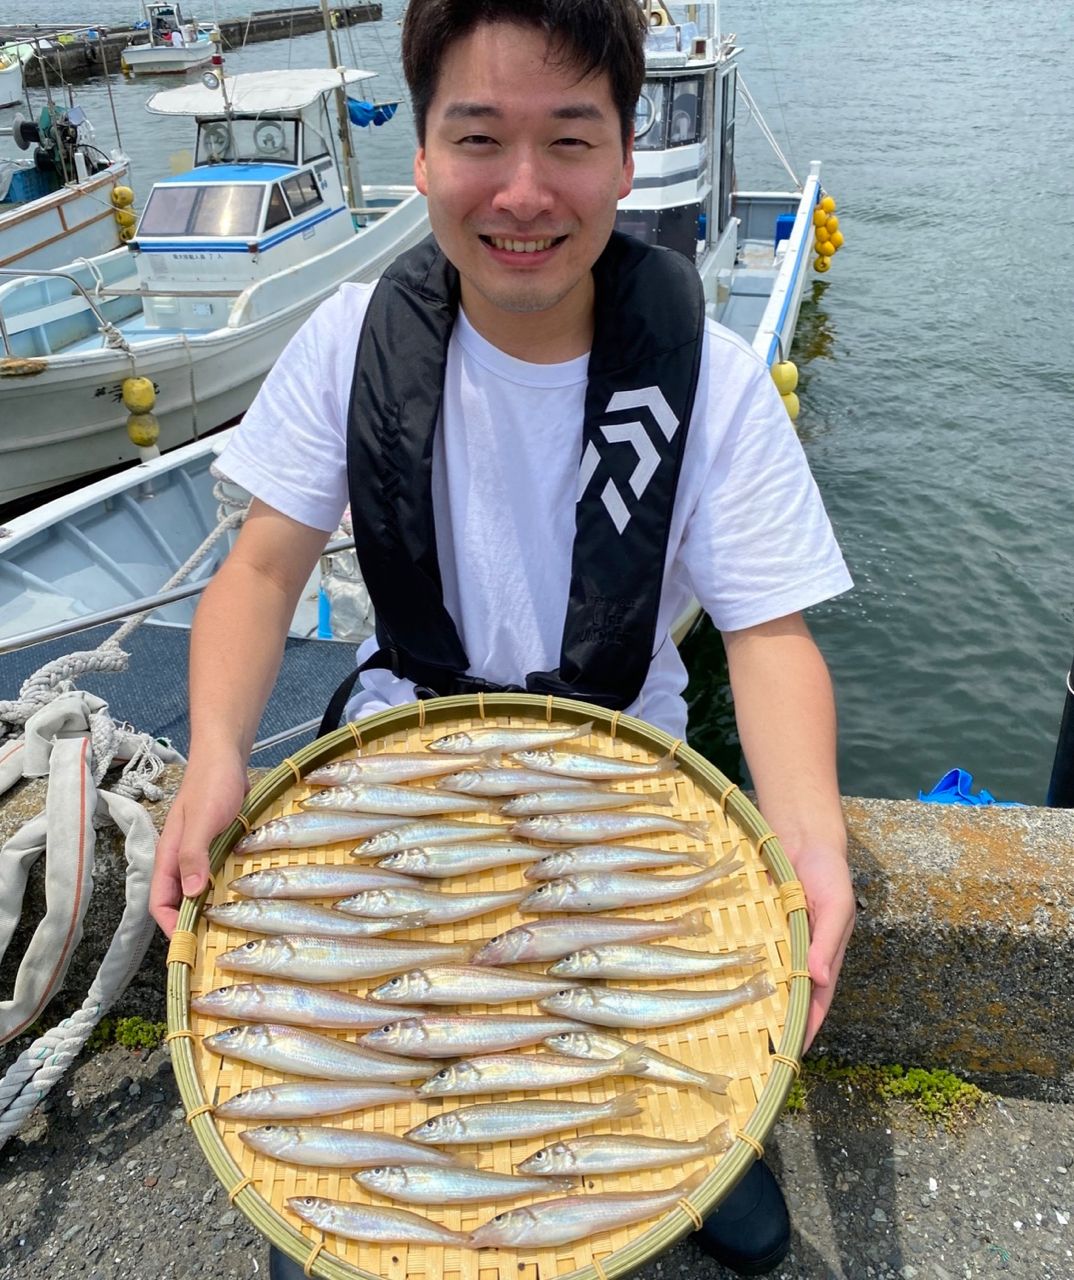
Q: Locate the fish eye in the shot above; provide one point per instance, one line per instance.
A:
(395, 982)
(442, 1075)
(250, 946)
(500, 1217)
(539, 1157)
(307, 1201)
(498, 938)
(380, 1169)
(565, 992)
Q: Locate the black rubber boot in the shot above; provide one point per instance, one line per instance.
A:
(750, 1233)
(281, 1267)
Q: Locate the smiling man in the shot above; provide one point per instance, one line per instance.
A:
(517, 525)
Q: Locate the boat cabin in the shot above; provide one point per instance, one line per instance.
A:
(167, 26)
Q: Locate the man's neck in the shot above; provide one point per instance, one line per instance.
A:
(561, 333)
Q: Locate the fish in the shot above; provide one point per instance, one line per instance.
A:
(558, 936)
(621, 1153)
(580, 765)
(503, 1121)
(465, 984)
(298, 1005)
(419, 1184)
(336, 959)
(430, 906)
(331, 1148)
(623, 960)
(607, 857)
(552, 1222)
(355, 1221)
(303, 830)
(427, 831)
(433, 1037)
(654, 1065)
(505, 739)
(316, 881)
(575, 800)
(491, 781)
(609, 890)
(280, 916)
(389, 766)
(616, 1007)
(300, 1101)
(506, 1072)
(407, 802)
(440, 861)
(581, 828)
(305, 1053)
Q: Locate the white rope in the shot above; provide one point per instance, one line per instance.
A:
(31, 1076)
(769, 136)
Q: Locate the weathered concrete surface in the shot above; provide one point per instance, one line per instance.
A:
(961, 957)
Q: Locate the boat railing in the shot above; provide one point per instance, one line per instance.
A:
(26, 273)
(129, 609)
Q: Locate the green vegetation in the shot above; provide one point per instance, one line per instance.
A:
(934, 1093)
(132, 1033)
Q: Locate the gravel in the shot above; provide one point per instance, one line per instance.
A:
(108, 1182)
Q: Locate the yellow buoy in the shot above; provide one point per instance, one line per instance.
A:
(126, 233)
(825, 248)
(791, 404)
(837, 239)
(819, 217)
(126, 217)
(828, 204)
(832, 224)
(122, 197)
(785, 376)
(139, 395)
(821, 264)
(143, 430)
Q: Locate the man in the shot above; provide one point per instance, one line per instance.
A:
(524, 113)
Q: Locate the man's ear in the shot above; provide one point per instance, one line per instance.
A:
(421, 177)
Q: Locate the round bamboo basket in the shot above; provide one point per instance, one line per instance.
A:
(758, 1045)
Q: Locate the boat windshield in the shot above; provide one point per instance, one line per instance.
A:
(227, 209)
(260, 138)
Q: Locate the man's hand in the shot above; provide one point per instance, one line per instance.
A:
(829, 893)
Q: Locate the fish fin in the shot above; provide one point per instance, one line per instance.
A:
(412, 921)
(561, 1184)
(626, 1104)
(694, 1180)
(666, 764)
(758, 987)
(714, 1082)
(726, 866)
(632, 1061)
(693, 924)
(657, 798)
(583, 729)
(719, 1139)
(751, 955)
(695, 859)
(699, 830)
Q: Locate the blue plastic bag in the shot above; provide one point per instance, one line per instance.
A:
(956, 787)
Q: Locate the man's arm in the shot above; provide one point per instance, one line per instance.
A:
(235, 652)
(785, 712)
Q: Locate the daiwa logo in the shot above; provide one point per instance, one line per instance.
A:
(636, 435)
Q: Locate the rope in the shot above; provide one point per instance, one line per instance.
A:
(31, 1076)
(769, 136)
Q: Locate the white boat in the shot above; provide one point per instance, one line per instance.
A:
(226, 262)
(11, 59)
(174, 45)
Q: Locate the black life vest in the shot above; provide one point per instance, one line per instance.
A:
(642, 377)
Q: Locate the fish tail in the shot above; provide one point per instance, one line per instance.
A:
(657, 797)
(726, 866)
(666, 764)
(699, 830)
(696, 859)
(718, 1139)
(757, 987)
(713, 1081)
(751, 955)
(583, 729)
(625, 1104)
(694, 1180)
(693, 924)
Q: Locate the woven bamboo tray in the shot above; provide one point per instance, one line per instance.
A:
(758, 1045)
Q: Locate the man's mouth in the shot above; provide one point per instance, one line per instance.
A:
(510, 245)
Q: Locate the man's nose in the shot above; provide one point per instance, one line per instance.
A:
(523, 190)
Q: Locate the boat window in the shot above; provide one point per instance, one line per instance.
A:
(264, 139)
(302, 192)
(278, 211)
(650, 117)
(685, 112)
(224, 210)
(314, 144)
(727, 148)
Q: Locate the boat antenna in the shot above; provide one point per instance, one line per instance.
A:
(352, 183)
(108, 85)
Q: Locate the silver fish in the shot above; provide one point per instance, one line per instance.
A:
(427, 831)
(465, 984)
(554, 1222)
(506, 1072)
(371, 1223)
(506, 739)
(304, 1053)
(429, 905)
(492, 781)
(300, 1006)
(303, 830)
(300, 1101)
(622, 960)
(654, 1065)
(618, 1153)
(616, 1007)
(607, 857)
(575, 800)
(388, 766)
(582, 828)
(580, 765)
(440, 861)
(609, 890)
(328, 1148)
(417, 1185)
(496, 1121)
(316, 881)
(432, 1037)
(279, 915)
(336, 959)
(408, 802)
(550, 939)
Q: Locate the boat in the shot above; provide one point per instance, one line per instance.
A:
(225, 263)
(174, 45)
(11, 60)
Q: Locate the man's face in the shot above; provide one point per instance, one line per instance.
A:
(523, 166)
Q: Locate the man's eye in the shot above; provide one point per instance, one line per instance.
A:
(477, 140)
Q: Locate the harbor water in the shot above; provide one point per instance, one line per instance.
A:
(936, 384)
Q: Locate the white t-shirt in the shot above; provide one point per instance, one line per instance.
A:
(750, 537)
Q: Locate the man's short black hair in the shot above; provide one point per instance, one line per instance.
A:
(593, 35)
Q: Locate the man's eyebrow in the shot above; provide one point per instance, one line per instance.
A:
(482, 110)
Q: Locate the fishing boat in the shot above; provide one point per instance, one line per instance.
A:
(225, 263)
(11, 59)
(174, 45)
